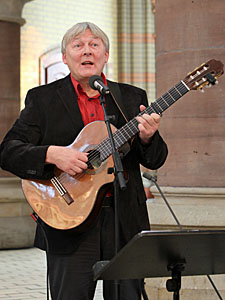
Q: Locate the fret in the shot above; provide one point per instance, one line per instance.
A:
(188, 89)
(119, 137)
(178, 91)
(163, 103)
(150, 109)
(168, 99)
(117, 140)
(173, 93)
(158, 111)
(130, 128)
(104, 149)
(182, 87)
(125, 134)
(134, 125)
(107, 149)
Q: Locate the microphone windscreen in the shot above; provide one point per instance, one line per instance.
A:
(92, 80)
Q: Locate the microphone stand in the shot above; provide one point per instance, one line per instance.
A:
(154, 180)
(119, 182)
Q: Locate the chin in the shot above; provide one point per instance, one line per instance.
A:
(89, 74)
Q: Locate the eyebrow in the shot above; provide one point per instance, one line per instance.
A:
(94, 38)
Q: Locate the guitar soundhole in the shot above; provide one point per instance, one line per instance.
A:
(94, 161)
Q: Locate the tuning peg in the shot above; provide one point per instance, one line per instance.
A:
(201, 90)
(216, 82)
(208, 86)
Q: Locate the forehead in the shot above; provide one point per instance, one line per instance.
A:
(88, 34)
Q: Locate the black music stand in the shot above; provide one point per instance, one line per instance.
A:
(165, 254)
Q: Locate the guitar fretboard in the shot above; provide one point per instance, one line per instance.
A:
(125, 133)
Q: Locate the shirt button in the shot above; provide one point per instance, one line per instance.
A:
(92, 115)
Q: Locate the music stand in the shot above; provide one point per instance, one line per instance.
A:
(167, 253)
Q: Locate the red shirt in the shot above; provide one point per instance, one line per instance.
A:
(91, 109)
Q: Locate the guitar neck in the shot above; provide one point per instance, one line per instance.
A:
(129, 130)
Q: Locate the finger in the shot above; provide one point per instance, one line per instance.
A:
(79, 166)
(141, 127)
(146, 117)
(156, 117)
(76, 170)
(142, 107)
(150, 120)
(82, 156)
(153, 116)
(71, 172)
(145, 120)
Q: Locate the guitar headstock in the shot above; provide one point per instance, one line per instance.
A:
(206, 74)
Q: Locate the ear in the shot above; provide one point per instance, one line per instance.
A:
(106, 57)
(64, 58)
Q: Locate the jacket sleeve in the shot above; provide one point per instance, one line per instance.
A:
(20, 151)
(153, 155)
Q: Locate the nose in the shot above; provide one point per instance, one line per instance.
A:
(87, 50)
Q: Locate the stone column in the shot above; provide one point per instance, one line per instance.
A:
(16, 226)
(10, 22)
(188, 33)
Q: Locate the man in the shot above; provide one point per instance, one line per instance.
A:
(54, 115)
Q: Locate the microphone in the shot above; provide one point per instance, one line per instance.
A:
(96, 83)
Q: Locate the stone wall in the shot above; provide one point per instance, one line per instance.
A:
(189, 33)
(17, 228)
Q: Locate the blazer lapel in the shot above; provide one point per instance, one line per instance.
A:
(111, 106)
(68, 97)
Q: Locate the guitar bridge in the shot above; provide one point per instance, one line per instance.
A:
(61, 190)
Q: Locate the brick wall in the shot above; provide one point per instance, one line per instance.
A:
(46, 23)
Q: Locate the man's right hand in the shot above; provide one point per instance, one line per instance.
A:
(67, 159)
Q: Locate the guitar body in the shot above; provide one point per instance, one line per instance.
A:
(87, 189)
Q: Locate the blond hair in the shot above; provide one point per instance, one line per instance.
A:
(80, 28)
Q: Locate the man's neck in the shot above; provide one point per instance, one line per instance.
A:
(87, 89)
(84, 83)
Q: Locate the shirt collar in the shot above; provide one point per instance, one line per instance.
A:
(78, 88)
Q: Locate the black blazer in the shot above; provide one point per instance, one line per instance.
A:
(52, 117)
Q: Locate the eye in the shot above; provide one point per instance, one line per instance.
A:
(94, 44)
(76, 45)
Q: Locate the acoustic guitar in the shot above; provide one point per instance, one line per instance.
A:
(66, 201)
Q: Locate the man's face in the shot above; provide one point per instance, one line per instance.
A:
(85, 56)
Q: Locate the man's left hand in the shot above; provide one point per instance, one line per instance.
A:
(148, 125)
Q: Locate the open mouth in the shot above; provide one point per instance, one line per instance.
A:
(87, 63)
